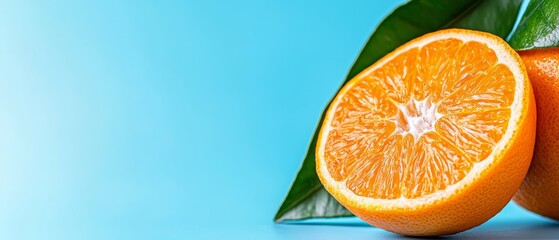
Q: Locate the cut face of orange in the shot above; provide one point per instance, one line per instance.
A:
(448, 114)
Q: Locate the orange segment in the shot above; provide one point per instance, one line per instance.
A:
(365, 102)
(492, 89)
(475, 133)
(350, 143)
(464, 65)
(433, 66)
(436, 124)
(396, 76)
(435, 165)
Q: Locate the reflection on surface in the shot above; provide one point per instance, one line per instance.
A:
(511, 223)
(513, 230)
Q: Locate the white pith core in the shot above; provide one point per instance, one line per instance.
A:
(416, 117)
(429, 118)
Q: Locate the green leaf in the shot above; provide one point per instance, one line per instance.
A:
(307, 197)
(539, 27)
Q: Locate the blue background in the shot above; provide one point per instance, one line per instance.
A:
(174, 119)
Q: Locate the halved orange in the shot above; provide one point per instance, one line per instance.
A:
(434, 138)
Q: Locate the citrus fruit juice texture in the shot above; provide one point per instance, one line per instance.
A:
(435, 138)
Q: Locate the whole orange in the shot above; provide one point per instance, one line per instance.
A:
(539, 192)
